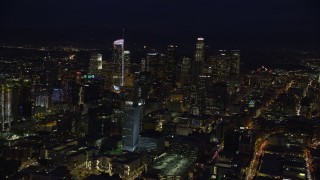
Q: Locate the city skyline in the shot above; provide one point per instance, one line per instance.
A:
(250, 23)
(159, 89)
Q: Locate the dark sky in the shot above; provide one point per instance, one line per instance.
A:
(234, 22)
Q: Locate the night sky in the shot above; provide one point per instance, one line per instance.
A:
(225, 22)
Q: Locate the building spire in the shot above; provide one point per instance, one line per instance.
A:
(123, 33)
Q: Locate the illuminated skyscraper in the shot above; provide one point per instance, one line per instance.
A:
(131, 124)
(118, 64)
(199, 59)
(199, 55)
(225, 63)
(127, 63)
(235, 62)
(95, 63)
(220, 64)
(5, 105)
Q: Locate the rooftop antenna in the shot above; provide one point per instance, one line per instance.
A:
(123, 33)
(123, 37)
(122, 63)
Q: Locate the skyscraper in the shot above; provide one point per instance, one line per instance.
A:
(172, 61)
(221, 64)
(131, 124)
(199, 55)
(199, 59)
(185, 70)
(95, 63)
(5, 105)
(25, 98)
(118, 74)
(127, 63)
(235, 62)
(153, 64)
(224, 63)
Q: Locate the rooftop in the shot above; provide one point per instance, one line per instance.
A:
(173, 164)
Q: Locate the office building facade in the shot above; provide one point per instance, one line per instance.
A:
(118, 71)
(131, 125)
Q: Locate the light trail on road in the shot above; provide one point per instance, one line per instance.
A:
(309, 161)
(216, 154)
(255, 161)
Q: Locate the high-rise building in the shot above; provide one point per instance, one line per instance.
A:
(57, 95)
(185, 70)
(231, 141)
(235, 62)
(118, 74)
(224, 63)
(25, 99)
(221, 64)
(15, 91)
(199, 59)
(153, 64)
(172, 61)
(131, 124)
(5, 105)
(127, 63)
(161, 71)
(108, 74)
(95, 63)
(199, 55)
(99, 119)
(92, 91)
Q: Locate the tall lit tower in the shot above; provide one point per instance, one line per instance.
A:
(199, 55)
(5, 105)
(118, 64)
(235, 62)
(131, 124)
(199, 59)
(127, 63)
(95, 63)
